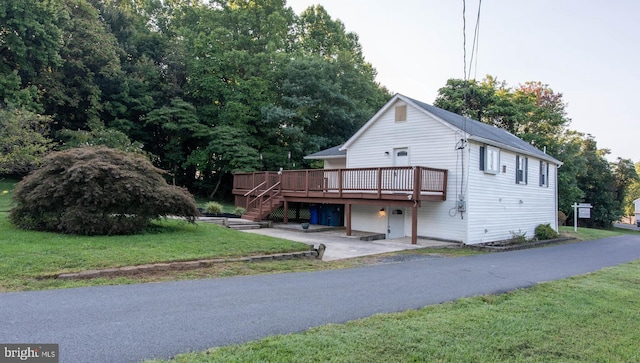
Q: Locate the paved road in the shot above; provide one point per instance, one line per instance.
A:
(134, 322)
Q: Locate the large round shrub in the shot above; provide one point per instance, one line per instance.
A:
(97, 191)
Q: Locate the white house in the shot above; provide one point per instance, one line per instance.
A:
(637, 205)
(498, 185)
(419, 171)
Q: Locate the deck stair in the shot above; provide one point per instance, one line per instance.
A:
(264, 209)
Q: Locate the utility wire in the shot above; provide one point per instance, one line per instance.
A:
(464, 37)
(476, 41)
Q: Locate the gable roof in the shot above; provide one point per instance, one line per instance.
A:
(331, 153)
(475, 130)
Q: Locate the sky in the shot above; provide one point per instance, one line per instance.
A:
(587, 50)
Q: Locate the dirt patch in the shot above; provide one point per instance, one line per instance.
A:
(408, 257)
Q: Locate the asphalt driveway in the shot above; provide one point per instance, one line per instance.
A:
(134, 322)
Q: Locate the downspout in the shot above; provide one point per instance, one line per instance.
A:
(466, 222)
(555, 192)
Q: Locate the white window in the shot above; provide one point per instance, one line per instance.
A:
(544, 174)
(490, 159)
(521, 169)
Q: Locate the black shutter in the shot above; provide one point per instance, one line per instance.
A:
(542, 177)
(482, 152)
(548, 175)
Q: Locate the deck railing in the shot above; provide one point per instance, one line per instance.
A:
(415, 180)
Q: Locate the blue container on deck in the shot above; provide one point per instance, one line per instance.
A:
(313, 214)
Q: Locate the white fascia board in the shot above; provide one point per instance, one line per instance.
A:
(325, 157)
(548, 158)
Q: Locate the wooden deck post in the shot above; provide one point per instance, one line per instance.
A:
(347, 211)
(414, 223)
(379, 182)
(285, 219)
(417, 182)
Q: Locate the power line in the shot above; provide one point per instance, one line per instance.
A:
(464, 37)
(476, 41)
(476, 37)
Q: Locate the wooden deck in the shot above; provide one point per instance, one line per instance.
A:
(406, 184)
(262, 192)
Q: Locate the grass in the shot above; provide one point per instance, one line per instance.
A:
(589, 318)
(30, 259)
(6, 186)
(29, 256)
(586, 234)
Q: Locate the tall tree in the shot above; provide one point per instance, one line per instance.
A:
(633, 193)
(30, 42)
(626, 176)
(23, 140)
(90, 64)
(597, 182)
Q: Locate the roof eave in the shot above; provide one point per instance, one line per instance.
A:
(544, 157)
(325, 157)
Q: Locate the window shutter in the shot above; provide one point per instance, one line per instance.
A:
(517, 169)
(547, 175)
(542, 181)
(482, 154)
(526, 169)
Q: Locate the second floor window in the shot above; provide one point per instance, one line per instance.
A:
(544, 174)
(521, 169)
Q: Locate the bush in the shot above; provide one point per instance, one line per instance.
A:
(519, 237)
(213, 207)
(239, 211)
(545, 232)
(562, 218)
(97, 191)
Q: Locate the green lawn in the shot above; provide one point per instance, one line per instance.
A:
(585, 234)
(28, 256)
(589, 318)
(6, 186)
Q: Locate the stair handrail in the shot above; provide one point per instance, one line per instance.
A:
(265, 192)
(261, 195)
(254, 189)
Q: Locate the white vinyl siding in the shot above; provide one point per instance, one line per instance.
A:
(496, 206)
(432, 144)
(337, 163)
(368, 218)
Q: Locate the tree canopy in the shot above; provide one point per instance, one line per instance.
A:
(206, 87)
(537, 114)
